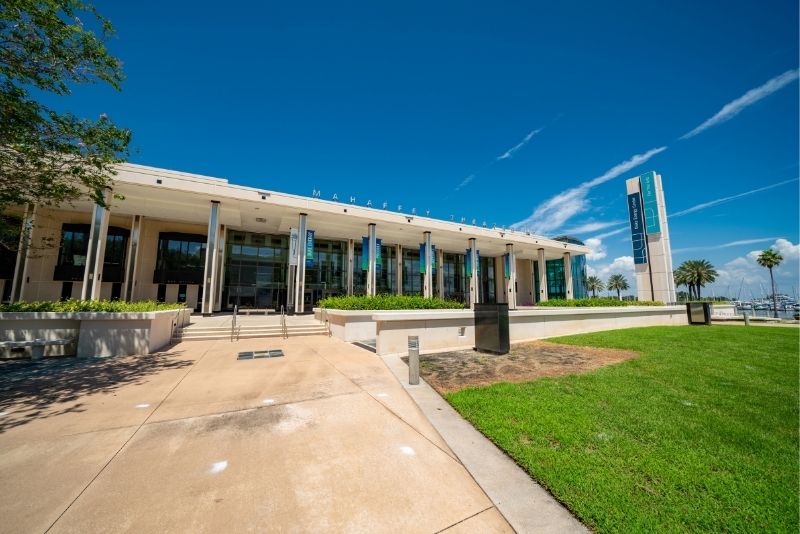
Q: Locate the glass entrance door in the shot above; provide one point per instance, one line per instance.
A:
(255, 270)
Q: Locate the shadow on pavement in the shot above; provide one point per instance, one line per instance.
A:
(34, 390)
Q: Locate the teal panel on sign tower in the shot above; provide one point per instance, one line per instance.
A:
(647, 183)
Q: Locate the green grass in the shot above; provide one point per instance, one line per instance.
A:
(388, 302)
(89, 306)
(700, 433)
(597, 302)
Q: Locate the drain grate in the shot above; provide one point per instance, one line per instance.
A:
(272, 353)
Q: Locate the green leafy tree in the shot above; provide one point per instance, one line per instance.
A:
(696, 274)
(49, 157)
(594, 284)
(771, 258)
(682, 278)
(619, 283)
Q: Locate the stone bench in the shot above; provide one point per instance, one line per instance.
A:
(37, 345)
(248, 311)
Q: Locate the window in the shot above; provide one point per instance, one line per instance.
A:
(74, 249)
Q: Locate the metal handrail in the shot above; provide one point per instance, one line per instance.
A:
(233, 322)
(284, 329)
(326, 320)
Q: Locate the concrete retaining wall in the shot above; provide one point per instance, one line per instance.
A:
(96, 334)
(455, 329)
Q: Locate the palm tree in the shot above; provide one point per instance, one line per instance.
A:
(770, 258)
(681, 276)
(618, 282)
(696, 274)
(594, 284)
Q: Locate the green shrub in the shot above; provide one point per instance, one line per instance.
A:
(89, 306)
(598, 302)
(388, 302)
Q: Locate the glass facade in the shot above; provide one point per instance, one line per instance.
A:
(74, 247)
(556, 281)
(455, 281)
(486, 275)
(386, 277)
(256, 268)
(181, 258)
(327, 276)
(412, 278)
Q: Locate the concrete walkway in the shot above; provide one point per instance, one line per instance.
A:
(525, 504)
(323, 439)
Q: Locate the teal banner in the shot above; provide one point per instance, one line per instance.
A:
(647, 183)
(309, 248)
(468, 263)
(507, 265)
(422, 258)
(364, 253)
(378, 256)
(638, 237)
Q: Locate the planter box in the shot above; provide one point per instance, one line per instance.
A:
(97, 333)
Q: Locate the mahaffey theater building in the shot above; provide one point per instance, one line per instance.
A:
(180, 237)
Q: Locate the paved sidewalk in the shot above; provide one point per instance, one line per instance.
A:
(525, 504)
(193, 440)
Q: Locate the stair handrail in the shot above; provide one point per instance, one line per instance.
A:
(233, 321)
(284, 330)
(327, 321)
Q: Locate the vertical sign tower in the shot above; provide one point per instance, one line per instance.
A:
(652, 255)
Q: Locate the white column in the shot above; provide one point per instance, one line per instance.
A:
(440, 273)
(223, 234)
(350, 259)
(512, 280)
(132, 262)
(427, 281)
(371, 260)
(300, 272)
(474, 281)
(21, 265)
(542, 275)
(209, 271)
(398, 256)
(95, 253)
(568, 276)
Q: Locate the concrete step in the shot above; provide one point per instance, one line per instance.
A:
(210, 335)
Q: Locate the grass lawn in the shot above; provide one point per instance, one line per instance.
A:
(700, 433)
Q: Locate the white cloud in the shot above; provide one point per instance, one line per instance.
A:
(726, 245)
(592, 226)
(510, 152)
(465, 181)
(622, 265)
(554, 212)
(734, 107)
(722, 200)
(612, 232)
(746, 273)
(598, 249)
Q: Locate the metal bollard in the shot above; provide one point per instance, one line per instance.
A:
(746, 318)
(413, 360)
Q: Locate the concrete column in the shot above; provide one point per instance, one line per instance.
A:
(474, 281)
(95, 253)
(21, 265)
(210, 270)
(427, 281)
(300, 272)
(542, 275)
(398, 253)
(500, 282)
(223, 236)
(440, 273)
(350, 266)
(132, 261)
(512, 281)
(371, 260)
(568, 276)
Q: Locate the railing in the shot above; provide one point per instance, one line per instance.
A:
(323, 313)
(234, 332)
(284, 329)
(177, 324)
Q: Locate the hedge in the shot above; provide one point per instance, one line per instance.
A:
(389, 302)
(89, 306)
(598, 302)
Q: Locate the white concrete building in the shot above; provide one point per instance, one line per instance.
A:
(180, 237)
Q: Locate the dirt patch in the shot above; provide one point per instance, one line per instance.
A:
(452, 371)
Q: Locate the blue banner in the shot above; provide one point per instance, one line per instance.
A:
(378, 256)
(468, 264)
(647, 184)
(638, 237)
(507, 265)
(422, 258)
(309, 248)
(364, 253)
(433, 259)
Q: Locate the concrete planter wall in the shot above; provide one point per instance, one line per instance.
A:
(96, 333)
(455, 329)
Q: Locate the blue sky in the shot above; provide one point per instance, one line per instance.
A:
(489, 111)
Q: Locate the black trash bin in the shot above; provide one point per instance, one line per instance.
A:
(698, 312)
(491, 328)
